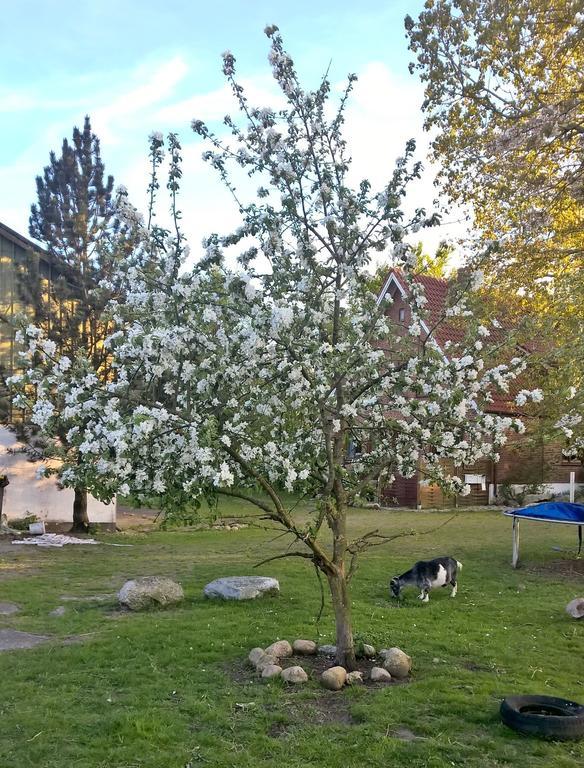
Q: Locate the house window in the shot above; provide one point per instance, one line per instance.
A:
(402, 315)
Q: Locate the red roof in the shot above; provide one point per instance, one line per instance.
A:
(443, 330)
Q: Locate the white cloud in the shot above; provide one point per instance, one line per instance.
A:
(383, 114)
(130, 107)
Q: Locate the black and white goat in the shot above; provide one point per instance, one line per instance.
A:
(427, 574)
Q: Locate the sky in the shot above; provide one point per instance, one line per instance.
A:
(135, 67)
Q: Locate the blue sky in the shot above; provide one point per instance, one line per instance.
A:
(135, 67)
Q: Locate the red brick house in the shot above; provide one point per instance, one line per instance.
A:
(523, 461)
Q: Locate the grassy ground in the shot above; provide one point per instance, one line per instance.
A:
(168, 689)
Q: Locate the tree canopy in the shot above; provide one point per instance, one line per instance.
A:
(504, 100)
(251, 381)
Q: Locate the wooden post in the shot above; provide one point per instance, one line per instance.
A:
(515, 559)
(572, 486)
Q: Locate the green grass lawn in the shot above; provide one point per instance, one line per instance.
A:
(168, 689)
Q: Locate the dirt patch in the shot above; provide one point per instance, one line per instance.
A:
(569, 569)
(472, 666)
(321, 709)
(142, 518)
(279, 730)
(404, 734)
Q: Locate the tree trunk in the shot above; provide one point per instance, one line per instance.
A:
(80, 517)
(344, 629)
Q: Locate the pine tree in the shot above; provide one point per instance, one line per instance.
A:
(74, 219)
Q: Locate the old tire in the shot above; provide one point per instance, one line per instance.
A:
(545, 716)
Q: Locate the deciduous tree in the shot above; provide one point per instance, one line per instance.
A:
(250, 381)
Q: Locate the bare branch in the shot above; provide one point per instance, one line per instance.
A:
(305, 555)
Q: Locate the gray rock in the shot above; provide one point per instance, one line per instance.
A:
(334, 678)
(294, 675)
(281, 649)
(138, 594)
(7, 609)
(255, 655)
(242, 587)
(397, 663)
(12, 639)
(367, 651)
(576, 608)
(354, 678)
(304, 647)
(327, 650)
(58, 611)
(380, 675)
(271, 670)
(266, 660)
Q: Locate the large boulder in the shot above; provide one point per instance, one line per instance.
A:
(334, 678)
(255, 655)
(397, 663)
(380, 675)
(241, 587)
(281, 649)
(294, 675)
(149, 591)
(576, 608)
(266, 660)
(304, 647)
(271, 670)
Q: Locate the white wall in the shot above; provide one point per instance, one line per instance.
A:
(27, 495)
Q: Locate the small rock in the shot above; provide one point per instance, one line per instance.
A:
(58, 611)
(255, 655)
(380, 675)
(7, 609)
(397, 663)
(266, 660)
(327, 650)
(354, 678)
(576, 608)
(271, 670)
(368, 651)
(281, 649)
(304, 647)
(138, 594)
(334, 678)
(294, 675)
(242, 587)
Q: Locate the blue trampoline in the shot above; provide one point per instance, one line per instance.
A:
(547, 512)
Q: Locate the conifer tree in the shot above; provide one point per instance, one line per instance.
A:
(75, 221)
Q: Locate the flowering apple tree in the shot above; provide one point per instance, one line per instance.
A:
(252, 380)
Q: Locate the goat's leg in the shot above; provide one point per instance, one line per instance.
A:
(454, 588)
(423, 596)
